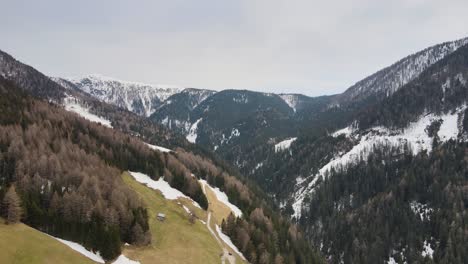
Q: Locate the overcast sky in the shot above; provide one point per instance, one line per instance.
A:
(310, 47)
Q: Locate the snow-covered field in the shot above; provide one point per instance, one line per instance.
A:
(415, 135)
(161, 185)
(158, 148)
(72, 105)
(222, 197)
(285, 144)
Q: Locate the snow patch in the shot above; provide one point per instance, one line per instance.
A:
(427, 250)
(291, 100)
(158, 148)
(80, 249)
(71, 104)
(258, 166)
(192, 135)
(228, 242)
(301, 194)
(415, 135)
(391, 260)
(347, 131)
(234, 133)
(285, 144)
(124, 260)
(222, 197)
(186, 209)
(423, 210)
(161, 185)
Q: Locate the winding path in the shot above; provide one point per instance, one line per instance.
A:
(231, 259)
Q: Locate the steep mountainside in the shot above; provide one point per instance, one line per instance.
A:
(75, 191)
(175, 113)
(142, 99)
(393, 171)
(37, 84)
(28, 78)
(387, 81)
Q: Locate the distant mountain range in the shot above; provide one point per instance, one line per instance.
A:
(376, 174)
(240, 124)
(140, 98)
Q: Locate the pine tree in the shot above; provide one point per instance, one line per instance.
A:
(12, 206)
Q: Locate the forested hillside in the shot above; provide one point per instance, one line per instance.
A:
(394, 206)
(374, 175)
(390, 186)
(66, 172)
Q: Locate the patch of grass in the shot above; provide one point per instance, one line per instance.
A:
(175, 240)
(20, 243)
(219, 211)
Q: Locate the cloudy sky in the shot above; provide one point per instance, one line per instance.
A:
(310, 47)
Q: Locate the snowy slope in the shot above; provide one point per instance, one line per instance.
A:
(192, 134)
(285, 144)
(415, 135)
(161, 185)
(80, 249)
(291, 100)
(158, 148)
(71, 104)
(222, 197)
(228, 242)
(137, 97)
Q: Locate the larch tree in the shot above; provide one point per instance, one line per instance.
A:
(12, 206)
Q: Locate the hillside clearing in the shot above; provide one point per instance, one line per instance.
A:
(23, 244)
(175, 240)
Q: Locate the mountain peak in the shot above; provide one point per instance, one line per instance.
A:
(97, 77)
(137, 97)
(388, 80)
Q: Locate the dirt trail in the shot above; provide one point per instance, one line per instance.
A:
(231, 259)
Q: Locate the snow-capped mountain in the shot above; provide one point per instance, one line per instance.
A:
(388, 80)
(140, 98)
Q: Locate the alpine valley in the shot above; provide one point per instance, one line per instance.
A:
(127, 171)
